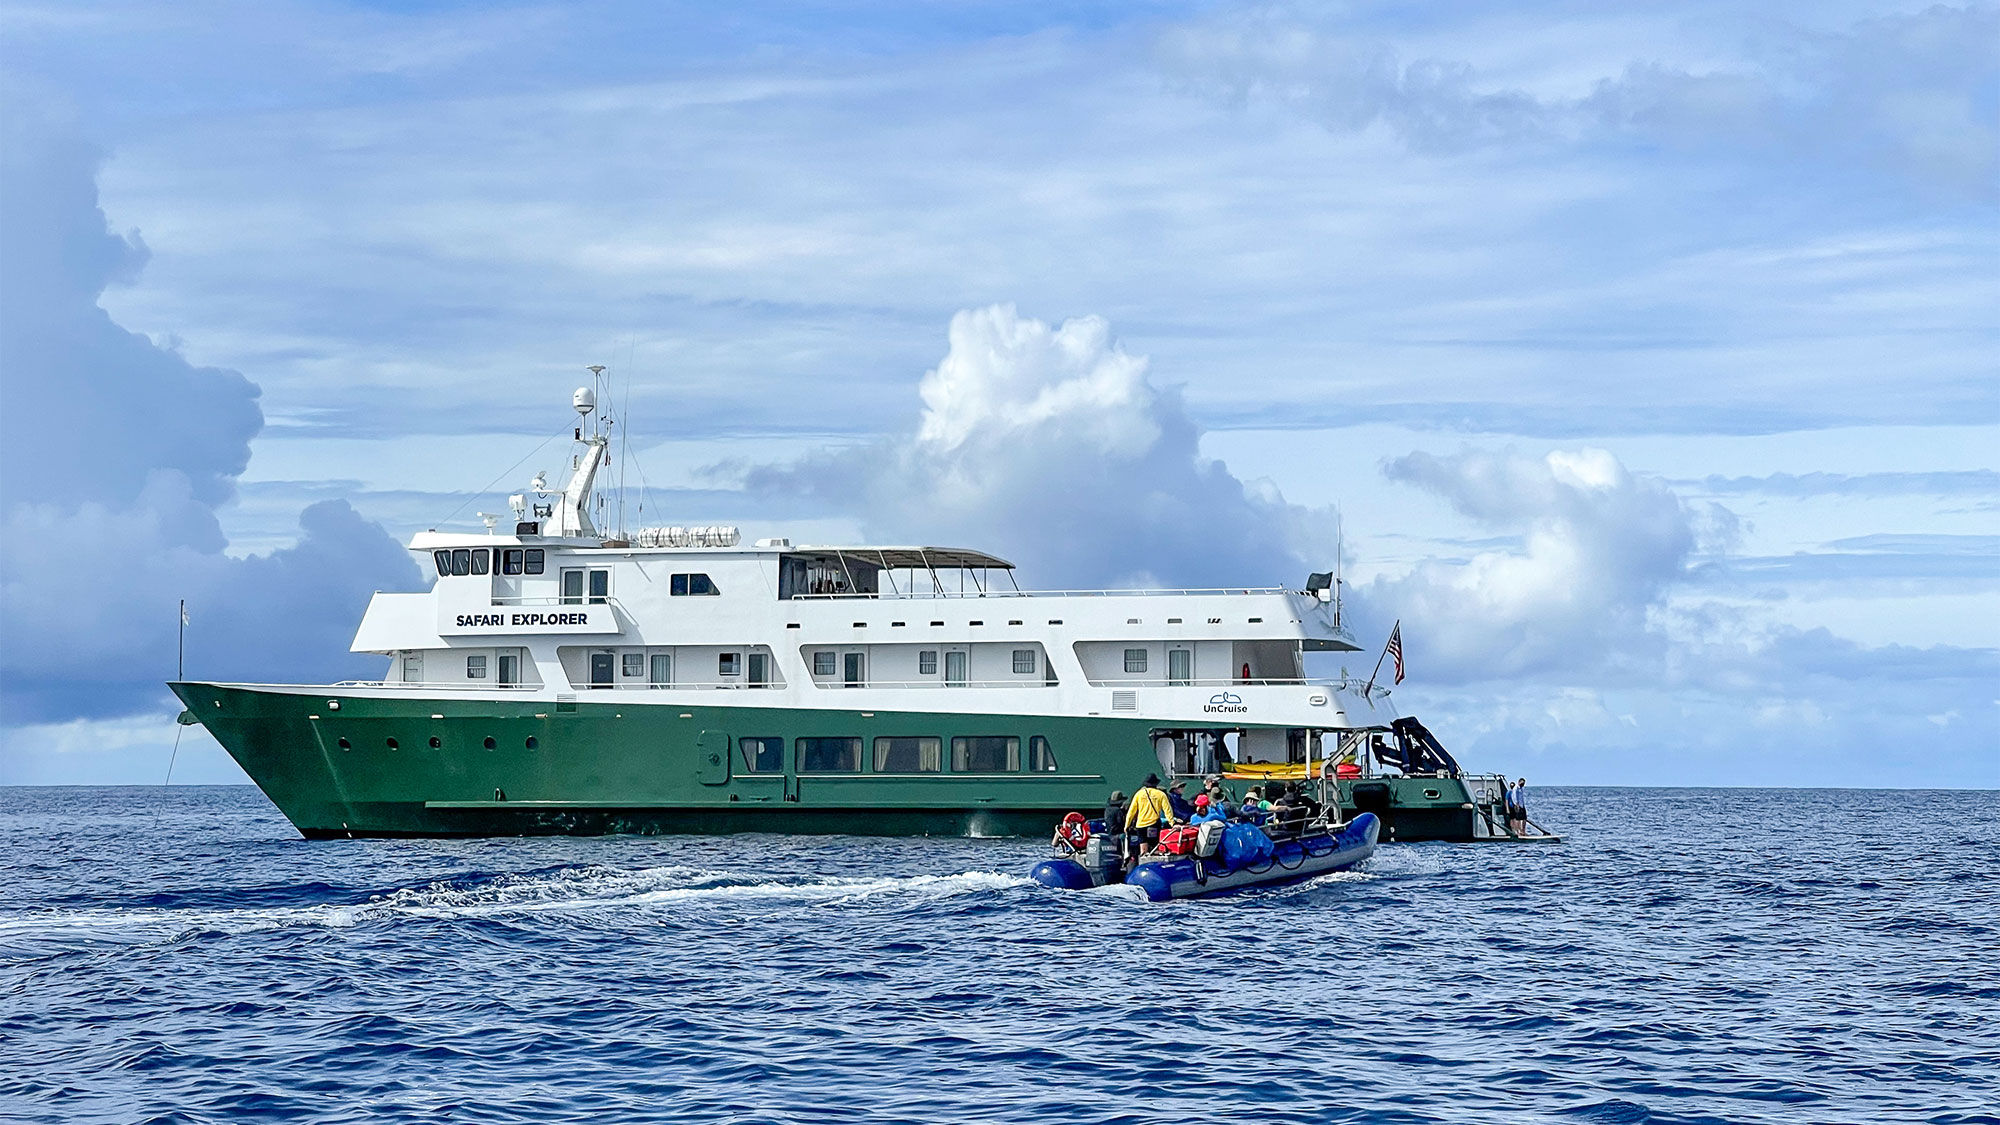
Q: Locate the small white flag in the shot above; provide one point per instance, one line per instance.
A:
(184, 614)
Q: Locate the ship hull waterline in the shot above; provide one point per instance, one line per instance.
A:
(388, 767)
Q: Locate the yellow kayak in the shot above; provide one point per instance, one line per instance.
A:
(1268, 771)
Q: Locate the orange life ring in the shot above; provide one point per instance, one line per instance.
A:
(1074, 831)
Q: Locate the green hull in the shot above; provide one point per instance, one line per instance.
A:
(401, 767)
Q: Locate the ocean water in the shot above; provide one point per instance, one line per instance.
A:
(1688, 955)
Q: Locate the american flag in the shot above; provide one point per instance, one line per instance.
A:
(1396, 649)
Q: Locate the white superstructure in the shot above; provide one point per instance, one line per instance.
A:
(671, 616)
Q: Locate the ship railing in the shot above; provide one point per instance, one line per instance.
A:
(923, 595)
(428, 685)
(935, 682)
(1226, 682)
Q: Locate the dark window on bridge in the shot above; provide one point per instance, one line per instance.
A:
(510, 561)
(480, 559)
(443, 561)
(691, 585)
(534, 560)
(461, 561)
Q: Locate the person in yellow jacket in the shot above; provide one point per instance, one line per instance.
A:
(1148, 813)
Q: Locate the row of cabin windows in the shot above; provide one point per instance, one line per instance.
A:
(508, 667)
(658, 668)
(985, 753)
(470, 560)
(1180, 664)
(824, 664)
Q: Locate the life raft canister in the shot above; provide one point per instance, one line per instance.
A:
(1074, 830)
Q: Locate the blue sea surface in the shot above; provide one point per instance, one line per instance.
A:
(1687, 955)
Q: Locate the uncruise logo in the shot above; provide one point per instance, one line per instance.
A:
(1225, 702)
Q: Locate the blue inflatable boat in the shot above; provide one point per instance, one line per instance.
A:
(1244, 858)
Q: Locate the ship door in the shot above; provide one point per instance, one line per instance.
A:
(854, 670)
(711, 758)
(600, 669)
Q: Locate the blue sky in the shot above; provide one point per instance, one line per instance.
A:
(1645, 356)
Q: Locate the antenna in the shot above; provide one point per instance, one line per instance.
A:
(1339, 548)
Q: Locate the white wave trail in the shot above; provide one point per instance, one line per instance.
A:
(586, 890)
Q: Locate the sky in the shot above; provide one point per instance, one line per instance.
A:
(1639, 360)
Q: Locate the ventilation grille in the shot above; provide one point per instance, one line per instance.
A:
(1124, 701)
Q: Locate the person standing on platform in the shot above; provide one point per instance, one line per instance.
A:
(1149, 812)
(1517, 808)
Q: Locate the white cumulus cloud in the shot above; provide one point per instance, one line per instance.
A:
(1051, 444)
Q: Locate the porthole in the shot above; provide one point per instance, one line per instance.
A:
(489, 742)
(436, 742)
(346, 745)
(389, 742)
(532, 743)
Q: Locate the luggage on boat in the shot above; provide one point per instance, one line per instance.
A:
(1209, 838)
(1244, 844)
(1180, 841)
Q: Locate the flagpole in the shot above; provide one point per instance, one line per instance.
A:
(1378, 661)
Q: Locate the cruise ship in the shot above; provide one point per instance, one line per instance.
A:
(557, 677)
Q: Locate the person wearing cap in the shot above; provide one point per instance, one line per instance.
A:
(1517, 808)
(1149, 812)
(1217, 795)
(1207, 809)
(1177, 798)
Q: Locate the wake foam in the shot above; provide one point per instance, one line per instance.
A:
(589, 890)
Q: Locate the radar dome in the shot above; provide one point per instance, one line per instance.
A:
(585, 400)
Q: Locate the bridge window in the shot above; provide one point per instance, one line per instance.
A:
(1024, 661)
(1041, 759)
(691, 585)
(909, 755)
(480, 560)
(461, 561)
(1135, 660)
(475, 667)
(634, 664)
(510, 560)
(986, 754)
(534, 560)
(443, 561)
(829, 755)
(762, 755)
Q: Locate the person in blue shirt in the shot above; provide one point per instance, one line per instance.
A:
(1252, 811)
(1517, 808)
(1206, 810)
(1177, 798)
